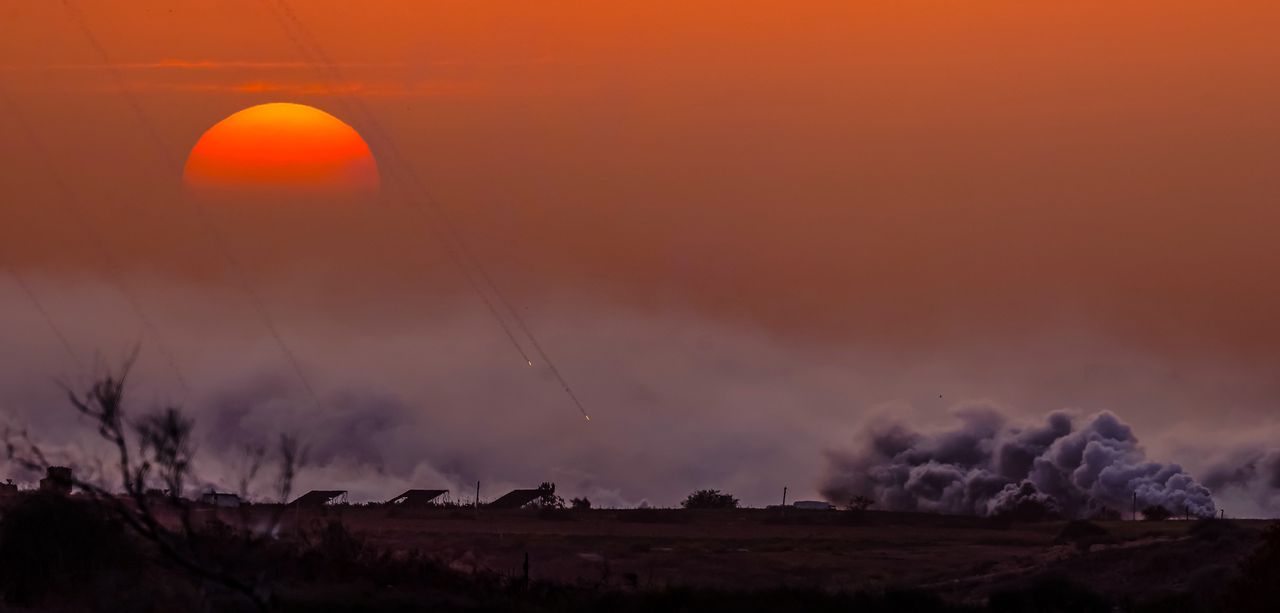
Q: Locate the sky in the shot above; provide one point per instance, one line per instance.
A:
(741, 230)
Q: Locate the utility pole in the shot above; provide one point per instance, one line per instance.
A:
(1135, 506)
(784, 496)
(477, 499)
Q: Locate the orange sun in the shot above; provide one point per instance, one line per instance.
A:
(282, 149)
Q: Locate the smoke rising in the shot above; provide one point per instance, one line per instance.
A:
(422, 390)
(987, 465)
(1251, 474)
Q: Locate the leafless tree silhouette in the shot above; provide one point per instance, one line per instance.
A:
(156, 449)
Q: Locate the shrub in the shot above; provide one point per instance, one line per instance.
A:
(580, 503)
(709, 499)
(547, 498)
(860, 503)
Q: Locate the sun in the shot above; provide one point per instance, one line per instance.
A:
(282, 149)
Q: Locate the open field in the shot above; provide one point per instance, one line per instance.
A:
(67, 553)
(963, 558)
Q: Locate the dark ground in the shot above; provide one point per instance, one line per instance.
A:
(964, 558)
(382, 559)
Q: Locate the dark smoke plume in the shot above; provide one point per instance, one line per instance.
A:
(986, 466)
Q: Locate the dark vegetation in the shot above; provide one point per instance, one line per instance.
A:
(1257, 587)
(860, 504)
(138, 545)
(63, 554)
(151, 464)
(709, 499)
(547, 498)
(1028, 510)
(50, 544)
(67, 553)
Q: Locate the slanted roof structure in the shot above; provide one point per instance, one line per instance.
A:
(318, 498)
(416, 498)
(515, 499)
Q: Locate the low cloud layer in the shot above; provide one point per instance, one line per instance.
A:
(1251, 473)
(436, 397)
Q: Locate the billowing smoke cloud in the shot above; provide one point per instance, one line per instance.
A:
(987, 466)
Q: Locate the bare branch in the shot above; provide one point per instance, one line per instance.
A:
(165, 453)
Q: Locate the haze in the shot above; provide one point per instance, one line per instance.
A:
(742, 230)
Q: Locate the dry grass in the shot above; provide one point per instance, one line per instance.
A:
(755, 548)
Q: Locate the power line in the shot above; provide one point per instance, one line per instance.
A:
(515, 315)
(287, 20)
(49, 322)
(67, 201)
(451, 236)
(214, 232)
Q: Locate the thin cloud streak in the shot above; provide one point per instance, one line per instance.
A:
(177, 64)
(386, 88)
(317, 88)
(181, 64)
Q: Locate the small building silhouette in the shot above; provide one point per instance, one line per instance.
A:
(57, 480)
(8, 493)
(515, 499)
(417, 498)
(219, 499)
(320, 498)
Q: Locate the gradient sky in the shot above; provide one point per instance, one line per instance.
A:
(1042, 206)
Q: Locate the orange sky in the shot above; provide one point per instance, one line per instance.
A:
(915, 177)
(848, 164)
(860, 158)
